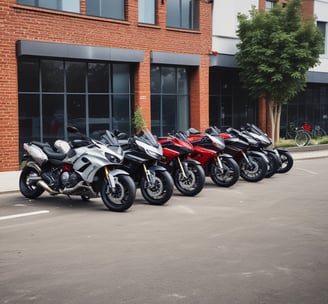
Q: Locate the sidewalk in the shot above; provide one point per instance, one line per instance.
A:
(9, 180)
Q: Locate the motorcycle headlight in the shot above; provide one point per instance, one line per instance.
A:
(153, 154)
(112, 158)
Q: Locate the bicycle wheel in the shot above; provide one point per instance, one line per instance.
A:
(302, 138)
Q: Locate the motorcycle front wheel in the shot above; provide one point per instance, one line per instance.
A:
(26, 185)
(254, 170)
(194, 181)
(122, 196)
(226, 176)
(160, 190)
(287, 161)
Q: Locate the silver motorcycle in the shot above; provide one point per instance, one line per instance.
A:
(83, 167)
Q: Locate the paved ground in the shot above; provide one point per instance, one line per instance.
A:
(9, 180)
(253, 243)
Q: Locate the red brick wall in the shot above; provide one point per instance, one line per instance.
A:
(28, 23)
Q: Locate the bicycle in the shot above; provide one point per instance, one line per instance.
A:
(317, 132)
(301, 136)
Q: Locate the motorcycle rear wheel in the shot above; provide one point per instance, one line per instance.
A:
(228, 175)
(193, 183)
(28, 189)
(161, 191)
(253, 171)
(123, 195)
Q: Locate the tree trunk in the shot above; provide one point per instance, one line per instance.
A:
(277, 123)
(274, 114)
(271, 120)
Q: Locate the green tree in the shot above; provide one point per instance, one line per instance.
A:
(276, 49)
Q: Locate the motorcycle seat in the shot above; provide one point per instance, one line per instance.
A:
(49, 151)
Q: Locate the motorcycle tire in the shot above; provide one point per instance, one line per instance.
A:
(29, 190)
(161, 191)
(273, 166)
(228, 175)
(287, 162)
(255, 170)
(193, 183)
(124, 195)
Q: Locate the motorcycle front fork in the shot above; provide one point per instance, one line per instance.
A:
(218, 163)
(150, 176)
(110, 179)
(182, 168)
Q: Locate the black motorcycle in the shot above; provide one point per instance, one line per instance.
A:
(285, 162)
(253, 164)
(262, 145)
(142, 154)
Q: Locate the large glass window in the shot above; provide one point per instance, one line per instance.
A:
(229, 104)
(113, 9)
(183, 14)
(60, 5)
(308, 106)
(146, 11)
(169, 99)
(56, 93)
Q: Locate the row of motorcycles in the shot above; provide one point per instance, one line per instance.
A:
(112, 165)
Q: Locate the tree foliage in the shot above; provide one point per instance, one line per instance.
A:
(275, 51)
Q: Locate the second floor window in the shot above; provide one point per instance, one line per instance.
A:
(146, 11)
(60, 5)
(183, 14)
(113, 9)
(323, 28)
(269, 5)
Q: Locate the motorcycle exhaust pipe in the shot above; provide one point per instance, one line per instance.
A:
(46, 187)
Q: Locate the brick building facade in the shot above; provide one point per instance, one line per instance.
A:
(29, 31)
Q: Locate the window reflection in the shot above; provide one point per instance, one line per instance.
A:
(91, 96)
(146, 11)
(61, 5)
(169, 99)
(183, 14)
(106, 8)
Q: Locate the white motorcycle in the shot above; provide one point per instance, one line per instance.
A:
(83, 167)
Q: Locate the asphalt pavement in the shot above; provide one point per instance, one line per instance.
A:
(9, 179)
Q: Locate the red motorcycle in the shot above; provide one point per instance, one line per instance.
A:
(188, 175)
(208, 150)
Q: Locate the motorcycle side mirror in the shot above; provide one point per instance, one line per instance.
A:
(72, 129)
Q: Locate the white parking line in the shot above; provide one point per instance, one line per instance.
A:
(8, 217)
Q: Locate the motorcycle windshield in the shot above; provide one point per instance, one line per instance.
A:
(181, 136)
(111, 140)
(147, 137)
(256, 129)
